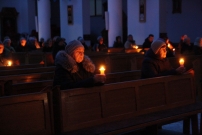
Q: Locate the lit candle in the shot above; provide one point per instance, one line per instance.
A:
(136, 47)
(173, 51)
(168, 45)
(9, 63)
(102, 70)
(181, 61)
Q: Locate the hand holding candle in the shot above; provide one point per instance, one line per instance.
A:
(181, 61)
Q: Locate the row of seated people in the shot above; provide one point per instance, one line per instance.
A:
(74, 69)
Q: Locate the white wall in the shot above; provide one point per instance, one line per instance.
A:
(26, 9)
(141, 30)
(188, 22)
(71, 32)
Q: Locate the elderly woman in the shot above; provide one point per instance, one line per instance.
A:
(130, 42)
(7, 45)
(156, 64)
(74, 69)
(3, 58)
(198, 46)
(100, 46)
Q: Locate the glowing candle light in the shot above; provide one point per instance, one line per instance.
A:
(181, 61)
(9, 63)
(168, 45)
(136, 47)
(173, 51)
(102, 70)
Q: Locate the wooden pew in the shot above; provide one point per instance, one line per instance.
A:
(27, 71)
(28, 77)
(125, 106)
(37, 86)
(26, 114)
(21, 66)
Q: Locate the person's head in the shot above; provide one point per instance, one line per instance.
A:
(100, 40)
(159, 48)
(1, 48)
(130, 37)
(151, 37)
(76, 50)
(81, 40)
(7, 42)
(118, 39)
(187, 40)
(198, 41)
(23, 41)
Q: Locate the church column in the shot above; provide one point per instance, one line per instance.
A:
(115, 20)
(44, 19)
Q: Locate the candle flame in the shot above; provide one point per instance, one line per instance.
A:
(9, 63)
(173, 49)
(102, 69)
(181, 61)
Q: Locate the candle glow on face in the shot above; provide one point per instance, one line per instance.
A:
(181, 61)
(102, 70)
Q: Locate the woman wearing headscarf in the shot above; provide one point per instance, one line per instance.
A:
(74, 69)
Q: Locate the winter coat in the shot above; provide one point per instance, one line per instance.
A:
(197, 50)
(70, 74)
(154, 67)
(147, 43)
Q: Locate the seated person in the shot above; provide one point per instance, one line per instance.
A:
(118, 43)
(83, 42)
(100, 46)
(48, 45)
(148, 41)
(187, 46)
(198, 46)
(74, 69)
(8, 47)
(156, 64)
(22, 46)
(130, 42)
(3, 57)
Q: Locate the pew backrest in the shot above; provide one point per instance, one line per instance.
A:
(87, 107)
(26, 114)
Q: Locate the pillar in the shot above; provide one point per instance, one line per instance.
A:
(44, 19)
(115, 20)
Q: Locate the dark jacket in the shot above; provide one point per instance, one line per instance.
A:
(186, 48)
(146, 44)
(154, 67)
(69, 74)
(197, 50)
(118, 44)
(21, 48)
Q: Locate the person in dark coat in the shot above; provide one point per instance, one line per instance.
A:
(156, 64)
(118, 43)
(58, 45)
(187, 46)
(148, 41)
(22, 46)
(3, 57)
(100, 46)
(74, 69)
(198, 46)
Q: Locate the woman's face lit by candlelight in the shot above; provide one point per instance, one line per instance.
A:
(78, 54)
(1, 48)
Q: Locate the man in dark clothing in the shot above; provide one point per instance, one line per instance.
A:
(156, 64)
(148, 41)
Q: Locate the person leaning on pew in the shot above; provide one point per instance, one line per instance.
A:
(74, 69)
(156, 64)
